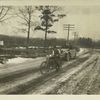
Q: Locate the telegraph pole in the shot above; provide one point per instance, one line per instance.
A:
(68, 27)
(75, 37)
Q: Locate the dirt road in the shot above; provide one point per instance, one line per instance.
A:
(77, 76)
(84, 81)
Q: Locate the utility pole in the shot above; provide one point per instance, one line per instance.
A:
(68, 27)
(75, 37)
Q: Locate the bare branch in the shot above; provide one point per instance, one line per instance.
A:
(26, 14)
(6, 19)
(4, 11)
(22, 17)
(2, 8)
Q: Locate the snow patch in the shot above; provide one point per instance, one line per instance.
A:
(17, 60)
(81, 50)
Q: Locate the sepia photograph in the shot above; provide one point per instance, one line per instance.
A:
(49, 49)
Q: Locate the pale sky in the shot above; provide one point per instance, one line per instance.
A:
(85, 18)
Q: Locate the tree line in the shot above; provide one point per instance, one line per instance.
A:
(11, 41)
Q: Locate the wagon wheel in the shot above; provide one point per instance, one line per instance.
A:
(43, 68)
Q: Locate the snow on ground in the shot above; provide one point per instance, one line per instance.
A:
(82, 51)
(21, 60)
(26, 64)
(17, 60)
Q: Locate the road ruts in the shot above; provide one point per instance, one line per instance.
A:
(80, 82)
(34, 84)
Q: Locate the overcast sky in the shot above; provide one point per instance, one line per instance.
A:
(85, 18)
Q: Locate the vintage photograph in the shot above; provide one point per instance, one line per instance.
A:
(50, 50)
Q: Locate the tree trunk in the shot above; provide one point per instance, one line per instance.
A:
(46, 28)
(45, 44)
(28, 34)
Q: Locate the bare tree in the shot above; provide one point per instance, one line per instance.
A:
(4, 10)
(49, 15)
(26, 14)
